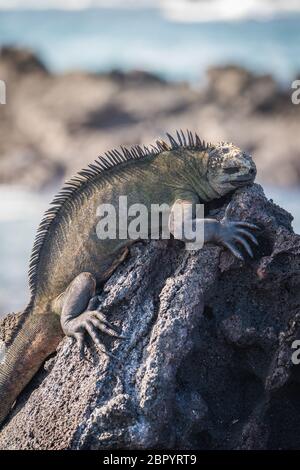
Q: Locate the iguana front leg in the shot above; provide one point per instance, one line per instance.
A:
(225, 232)
(79, 316)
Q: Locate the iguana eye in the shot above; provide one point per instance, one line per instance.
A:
(232, 170)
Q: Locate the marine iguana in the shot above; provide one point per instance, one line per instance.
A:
(69, 263)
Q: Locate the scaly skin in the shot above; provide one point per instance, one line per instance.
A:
(69, 263)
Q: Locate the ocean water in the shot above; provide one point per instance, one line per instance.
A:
(20, 214)
(145, 38)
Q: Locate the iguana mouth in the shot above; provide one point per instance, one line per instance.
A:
(243, 180)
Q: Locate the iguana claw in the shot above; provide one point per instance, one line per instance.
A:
(91, 322)
(231, 233)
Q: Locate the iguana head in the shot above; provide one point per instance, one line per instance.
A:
(228, 168)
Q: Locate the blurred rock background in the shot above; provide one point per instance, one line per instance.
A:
(82, 82)
(54, 124)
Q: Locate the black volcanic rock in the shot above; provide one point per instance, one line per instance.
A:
(24, 61)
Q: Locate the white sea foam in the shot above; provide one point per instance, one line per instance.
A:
(174, 10)
(73, 4)
(226, 10)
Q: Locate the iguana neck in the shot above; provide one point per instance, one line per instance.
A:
(192, 172)
(206, 193)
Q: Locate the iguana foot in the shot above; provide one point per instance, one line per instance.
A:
(90, 322)
(231, 233)
(79, 315)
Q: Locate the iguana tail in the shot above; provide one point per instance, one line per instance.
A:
(37, 338)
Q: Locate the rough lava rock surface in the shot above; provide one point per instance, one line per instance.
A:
(208, 361)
